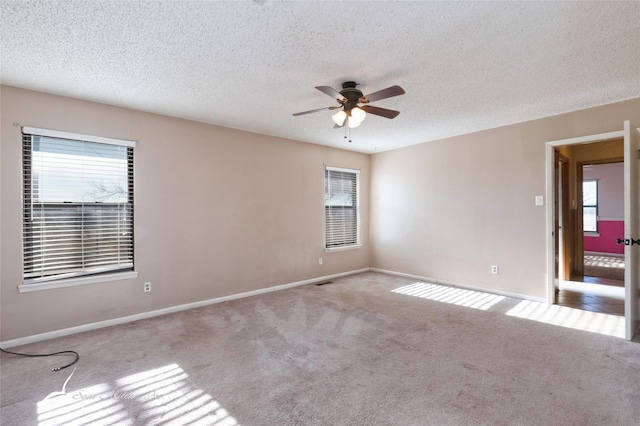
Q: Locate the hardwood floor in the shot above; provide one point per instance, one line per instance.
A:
(593, 294)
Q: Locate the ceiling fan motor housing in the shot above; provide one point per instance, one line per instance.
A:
(351, 94)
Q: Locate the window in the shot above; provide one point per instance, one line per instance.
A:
(590, 205)
(341, 208)
(77, 206)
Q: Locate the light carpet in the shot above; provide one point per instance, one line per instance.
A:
(369, 349)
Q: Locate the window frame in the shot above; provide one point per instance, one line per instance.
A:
(327, 209)
(590, 232)
(30, 284)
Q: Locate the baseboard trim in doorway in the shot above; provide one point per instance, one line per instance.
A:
(150, 314)
(462, 286)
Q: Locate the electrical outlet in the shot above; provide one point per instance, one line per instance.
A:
(319, 261)
(147, 287)
(494, 269)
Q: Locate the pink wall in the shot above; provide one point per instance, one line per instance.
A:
(606, 242)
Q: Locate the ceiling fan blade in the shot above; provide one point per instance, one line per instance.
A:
(316, 110)
(389, 92)
(382, 112)
(331, 92)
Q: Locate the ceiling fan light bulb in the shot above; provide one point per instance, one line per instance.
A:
(358, 114)
(353, 123)
(339, 117)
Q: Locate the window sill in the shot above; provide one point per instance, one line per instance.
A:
(343, 248)
(591, 234)
(72, 282)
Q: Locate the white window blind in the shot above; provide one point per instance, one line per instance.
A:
(590, 205)
(77, 205)
(342, 209)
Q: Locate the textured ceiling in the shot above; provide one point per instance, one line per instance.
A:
(465, 66)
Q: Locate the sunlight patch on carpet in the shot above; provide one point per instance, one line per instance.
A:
(603, 261)
(596, 322)
(452, 295)
(163, 395)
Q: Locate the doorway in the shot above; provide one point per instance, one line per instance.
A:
(603, 222)
(588, 261)
(565, 225)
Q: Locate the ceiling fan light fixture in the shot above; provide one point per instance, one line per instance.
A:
(339, 117)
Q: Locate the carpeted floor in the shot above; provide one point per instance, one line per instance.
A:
(369, 349)
(603, 266)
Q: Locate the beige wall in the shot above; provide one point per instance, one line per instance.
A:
(217, 212)
(450, 209)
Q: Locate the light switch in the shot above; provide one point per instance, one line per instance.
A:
(539, 200)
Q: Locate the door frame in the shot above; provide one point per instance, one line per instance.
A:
(561, 217)
(550, 188)
(550, 158)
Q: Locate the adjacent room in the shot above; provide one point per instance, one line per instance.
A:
(319, 213)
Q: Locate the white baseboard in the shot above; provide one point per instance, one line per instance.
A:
(463, 286)
(169, 310)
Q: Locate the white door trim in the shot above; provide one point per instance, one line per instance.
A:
(631, 230)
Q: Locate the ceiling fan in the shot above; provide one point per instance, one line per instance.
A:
(349, 98)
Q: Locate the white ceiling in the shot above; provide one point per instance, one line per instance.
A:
(465, 66)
